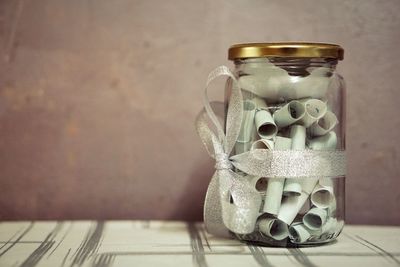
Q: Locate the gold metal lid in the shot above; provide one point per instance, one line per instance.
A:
(286, 49)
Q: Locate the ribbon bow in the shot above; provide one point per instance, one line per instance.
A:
(230, 199)
(231, 202)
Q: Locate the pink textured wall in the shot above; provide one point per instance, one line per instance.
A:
(98, 98)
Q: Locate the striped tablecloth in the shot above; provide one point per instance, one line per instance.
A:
(161, 243)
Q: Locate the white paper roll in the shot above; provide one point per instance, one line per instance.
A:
(257, 66)
(273, 195)
(274, 228)
(292, 187)
(274, 83)
(298, 136)
(259, 183)
(322, 196)
(265, 125)
(260, 103)
(262, 144)
(282, 143)
(324, 124)
(314, 110)
(314, 85)
(326, 181)
(243, 143)
(298, 233)
(329, 226)
(308, 185)
(329, 183)
(289, 114)
(291, 205)
(335, 225)
(242, 147)
(261, 85)
(265, 80)
(315, 218)
(327, 141)
(247, 126)
(332, 208)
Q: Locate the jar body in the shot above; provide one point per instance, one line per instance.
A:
(293, 104)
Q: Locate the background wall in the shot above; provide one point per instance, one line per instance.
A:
(98, 99)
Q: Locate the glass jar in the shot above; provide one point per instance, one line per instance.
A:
(293, 99)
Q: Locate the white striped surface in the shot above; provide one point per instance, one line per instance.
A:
(159, 243)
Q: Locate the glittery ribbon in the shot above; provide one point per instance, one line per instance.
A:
(231, 199)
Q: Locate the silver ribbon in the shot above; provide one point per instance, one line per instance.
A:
(230, 199)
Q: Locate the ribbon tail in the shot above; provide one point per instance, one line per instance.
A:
(242, 210)
(213, 210)
(230, 205)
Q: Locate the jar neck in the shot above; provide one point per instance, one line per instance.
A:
(294, 66)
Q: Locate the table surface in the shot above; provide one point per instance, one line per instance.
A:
(160, 243)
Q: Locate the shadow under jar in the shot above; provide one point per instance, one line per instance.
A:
(293, 99)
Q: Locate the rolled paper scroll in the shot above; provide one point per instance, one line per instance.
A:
(244, 139)
(260, 103)
(298, 233)
(273, 195)
(315, 85)
(324, 124)
(327, 141)
(298, 136)
(262, 144)
(258, 84)
(265, 82)
(315, 218)
(265, 125)
(259, 183)
(332, 207)
(274, 83)
(329, 183)
(274, 228)
(257, 66)
(242, 147)
(323, 194)
(326, 181)
(314, 110)
(329, 226)
(289, 114)
(291, 205)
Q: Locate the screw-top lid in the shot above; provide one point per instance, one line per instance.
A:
(285, 49)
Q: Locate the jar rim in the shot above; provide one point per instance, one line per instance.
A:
(285, 49)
